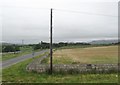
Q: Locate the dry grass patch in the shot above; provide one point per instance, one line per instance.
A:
(96, 55)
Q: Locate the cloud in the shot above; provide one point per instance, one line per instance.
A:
(30, 20)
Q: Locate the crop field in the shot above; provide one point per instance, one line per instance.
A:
(90, 55)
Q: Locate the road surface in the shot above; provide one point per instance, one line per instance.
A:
(19, 59)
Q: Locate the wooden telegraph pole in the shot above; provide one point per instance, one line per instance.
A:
(51, 41)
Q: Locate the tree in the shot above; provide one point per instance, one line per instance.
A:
(37, 46)
(10, 48)
(17, 48)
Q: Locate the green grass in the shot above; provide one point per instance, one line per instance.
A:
(17, 73)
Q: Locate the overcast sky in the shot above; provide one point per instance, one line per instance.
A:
(73, 20)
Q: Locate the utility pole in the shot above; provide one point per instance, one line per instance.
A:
(51, 41)
(22, 43)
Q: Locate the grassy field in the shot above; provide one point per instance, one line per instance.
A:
(90, 55)
(17, 73)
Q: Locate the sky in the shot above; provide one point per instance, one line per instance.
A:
(73, 20)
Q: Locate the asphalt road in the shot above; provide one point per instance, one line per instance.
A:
(19, 59)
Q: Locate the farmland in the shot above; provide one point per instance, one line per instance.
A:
(95, 55)
(90, 55)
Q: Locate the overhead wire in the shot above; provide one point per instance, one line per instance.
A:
(88, 13)
(64, 10)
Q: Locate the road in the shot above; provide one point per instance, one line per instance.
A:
(19, 59)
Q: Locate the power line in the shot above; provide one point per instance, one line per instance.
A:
(62, 10)
(88, 13)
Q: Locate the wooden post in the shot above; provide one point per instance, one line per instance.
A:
(51, 41)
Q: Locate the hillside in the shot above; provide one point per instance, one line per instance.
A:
(104, 42)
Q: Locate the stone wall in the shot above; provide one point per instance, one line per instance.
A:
(74, 68)
(37, 66)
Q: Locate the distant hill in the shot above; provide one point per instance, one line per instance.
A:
(104, 42)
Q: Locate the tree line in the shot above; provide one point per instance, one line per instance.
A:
(45, 45)
(10, 48)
